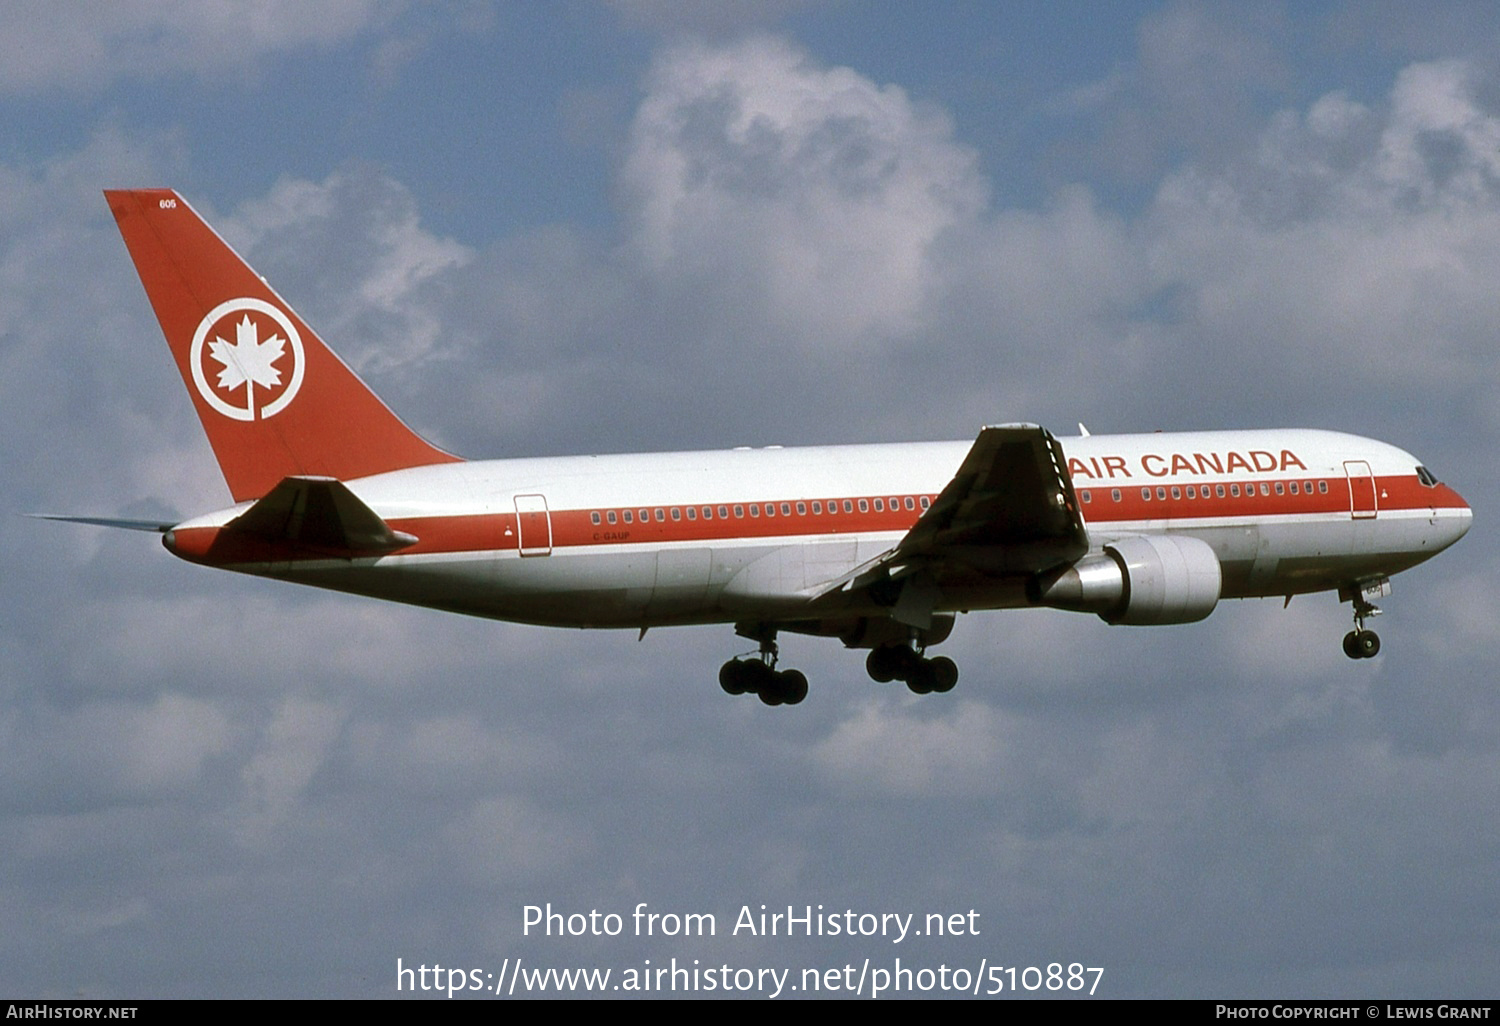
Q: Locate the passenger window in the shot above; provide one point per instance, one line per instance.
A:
(660, 514)
(1086, 497)
(1323, 487)
(770, 509)
(1219, 491)
(739, 511)
(818, 506)
(1280, 488)
(802, 509)
(910, 503)
(1176, 492)
(1114, 493)
(724, 512)
(755, 509)
(786, 509)
(848, 506)
(926, 502)
(879, 505)
(1146, 494)
(611, 516)
(629, 517)
(676, 513)
(864, 505)
(708, 512)
(595, 518)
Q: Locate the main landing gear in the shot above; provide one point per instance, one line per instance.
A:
(757, 675)
(904, 663)
(1361, 643)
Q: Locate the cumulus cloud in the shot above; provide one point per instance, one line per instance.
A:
(754, 170)
(292, 748)
(1352, 244)
(354, 245)
(59, 46)
(256, 752)
(724, 17)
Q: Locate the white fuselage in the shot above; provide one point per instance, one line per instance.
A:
(761, 534)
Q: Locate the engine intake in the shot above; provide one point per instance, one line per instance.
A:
(1147, 579)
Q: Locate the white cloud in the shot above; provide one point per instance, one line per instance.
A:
(354, 245)
(1361, 254)
(292, 748)
(47, 45)
(722, 16)
(811, 190)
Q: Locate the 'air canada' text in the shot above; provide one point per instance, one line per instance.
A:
(1255, 461)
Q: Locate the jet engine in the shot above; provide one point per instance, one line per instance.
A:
(1147, 579)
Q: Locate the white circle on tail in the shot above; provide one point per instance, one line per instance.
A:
(254, 353)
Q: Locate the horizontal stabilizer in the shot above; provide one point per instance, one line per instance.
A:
(319, 513)
(154, 526)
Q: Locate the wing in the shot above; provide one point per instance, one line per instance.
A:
(1009, 511)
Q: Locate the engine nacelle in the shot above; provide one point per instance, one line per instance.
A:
(1148, 579)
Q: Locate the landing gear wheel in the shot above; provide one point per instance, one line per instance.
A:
(944, 674)
(880, 664)
(732, 677)
(793, 686)
(921, 678)
(1361, 644)
(759, 679)
(905, 664)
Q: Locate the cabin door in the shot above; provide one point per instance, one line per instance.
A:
(533, 525)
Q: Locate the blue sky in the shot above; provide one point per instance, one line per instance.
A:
(589, 227)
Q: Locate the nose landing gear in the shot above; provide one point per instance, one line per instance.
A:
(1362, 643)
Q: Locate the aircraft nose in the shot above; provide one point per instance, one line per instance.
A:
(1451, 519)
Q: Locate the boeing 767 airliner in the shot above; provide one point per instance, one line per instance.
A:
(876, 545)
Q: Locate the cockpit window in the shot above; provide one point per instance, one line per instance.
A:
(1425, 476)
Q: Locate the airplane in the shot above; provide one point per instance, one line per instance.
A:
(879, 546)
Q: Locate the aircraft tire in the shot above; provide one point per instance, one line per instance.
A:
(906, 664)
(770, 693)
(880, 666)
(944, 674)
(1361, 644)
(793, 686)
(921, 678)
(732, 678)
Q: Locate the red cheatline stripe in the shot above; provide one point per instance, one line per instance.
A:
(576, 529)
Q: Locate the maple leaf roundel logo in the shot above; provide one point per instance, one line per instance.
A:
(247, 359)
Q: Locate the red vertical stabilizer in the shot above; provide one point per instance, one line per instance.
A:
(274, 400)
